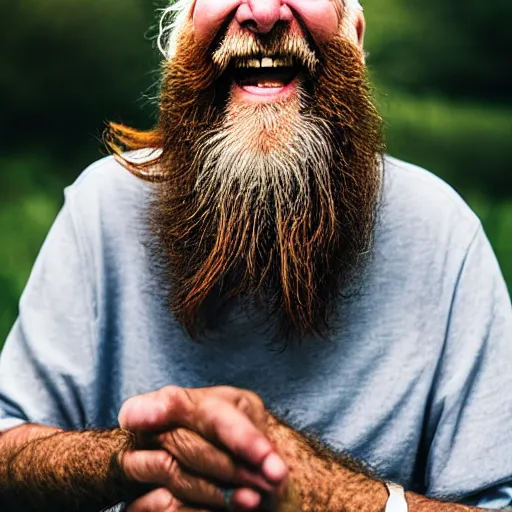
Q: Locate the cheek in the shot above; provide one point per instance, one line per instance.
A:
(209, 15)
(321, 17)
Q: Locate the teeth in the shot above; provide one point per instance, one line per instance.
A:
(282, 63)
(270, 85)
(265, 62)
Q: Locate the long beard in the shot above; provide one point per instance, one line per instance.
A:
(274, 203)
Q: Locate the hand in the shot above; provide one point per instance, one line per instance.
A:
(205, 437)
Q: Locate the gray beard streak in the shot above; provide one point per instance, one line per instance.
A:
(273, 203)
(265, 152)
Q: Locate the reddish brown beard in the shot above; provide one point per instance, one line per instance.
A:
(289, 260)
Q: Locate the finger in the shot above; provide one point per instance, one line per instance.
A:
(212, 417)
(199, 456)
(241, 500)
(159, 467)
(156, 411)
(159, 500)
(163, 409)
(244, 400)
(223, 424)
(245, 499)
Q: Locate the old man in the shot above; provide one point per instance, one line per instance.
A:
(252, 307)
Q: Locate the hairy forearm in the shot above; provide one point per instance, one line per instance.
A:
(47, 469)
(324, 481)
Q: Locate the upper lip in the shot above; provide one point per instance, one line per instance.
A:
(250, 50)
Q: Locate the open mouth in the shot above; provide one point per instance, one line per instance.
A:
(265, 72)
(265, 76)
(265, 68)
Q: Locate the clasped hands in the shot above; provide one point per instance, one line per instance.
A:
(193, 443)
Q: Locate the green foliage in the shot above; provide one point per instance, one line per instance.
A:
(467, 144)
(30, 201)
(67, 67)
(71, 66)
(445, 48)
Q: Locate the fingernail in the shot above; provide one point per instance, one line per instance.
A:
(246, 499)
(274, 468)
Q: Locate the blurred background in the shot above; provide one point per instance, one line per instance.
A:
(440, 70)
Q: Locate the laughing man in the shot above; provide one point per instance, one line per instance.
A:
(251, 307)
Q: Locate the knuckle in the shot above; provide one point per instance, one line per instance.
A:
(208, 407)
(255, 400)
(165, 463)
(252, 405)
(170, 395)
(180, 442)
(125, 411)
(177, 482)
(175, 399)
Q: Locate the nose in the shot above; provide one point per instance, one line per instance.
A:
(261, 15)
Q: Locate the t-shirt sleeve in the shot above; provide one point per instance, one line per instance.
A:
(469, 421)
(47, 361)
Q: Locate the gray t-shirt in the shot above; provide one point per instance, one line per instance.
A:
(418, 382)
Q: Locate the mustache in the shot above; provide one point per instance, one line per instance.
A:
(280, 42)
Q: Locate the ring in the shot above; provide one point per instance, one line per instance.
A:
(228, 494)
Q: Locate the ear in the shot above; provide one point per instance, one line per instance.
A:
(360, 25)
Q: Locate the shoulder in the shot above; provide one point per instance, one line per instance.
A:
(108, 206)
(416, 202)
(107, 196)
(106, 181)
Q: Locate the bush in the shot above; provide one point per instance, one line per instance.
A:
(466, 144)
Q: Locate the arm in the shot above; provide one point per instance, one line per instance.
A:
(328, 482)
(466, 436)
(43, 468)
(47, 375)
(318, 479)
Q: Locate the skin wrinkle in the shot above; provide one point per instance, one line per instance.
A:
(281, 217)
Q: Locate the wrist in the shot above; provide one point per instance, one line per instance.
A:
(127, 487)
(322, 481)
(63, 470)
